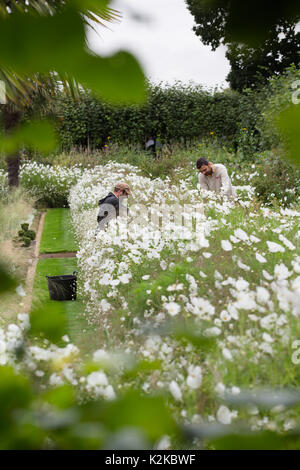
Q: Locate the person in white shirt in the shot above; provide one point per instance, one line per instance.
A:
(214, 177)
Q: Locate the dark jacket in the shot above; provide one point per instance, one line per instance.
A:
(104, 216)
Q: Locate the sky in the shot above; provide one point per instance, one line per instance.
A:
(159, 33)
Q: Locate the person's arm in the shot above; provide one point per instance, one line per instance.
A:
(203, 182)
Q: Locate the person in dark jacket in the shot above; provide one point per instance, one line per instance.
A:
(111, 205)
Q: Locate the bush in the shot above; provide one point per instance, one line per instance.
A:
(276, 181)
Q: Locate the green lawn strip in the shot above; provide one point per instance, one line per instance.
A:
(58, 232)
(84, 336)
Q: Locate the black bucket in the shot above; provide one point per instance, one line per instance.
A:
(62, 287)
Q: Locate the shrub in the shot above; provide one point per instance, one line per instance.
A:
(276, 180)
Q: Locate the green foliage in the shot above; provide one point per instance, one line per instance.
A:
(6, 281)
(57, 42)
(48, 322)
(276, 181)
(26, 236)
(178, 113)
(34, 134)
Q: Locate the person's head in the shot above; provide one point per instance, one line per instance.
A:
(122, 190)
(204, 166)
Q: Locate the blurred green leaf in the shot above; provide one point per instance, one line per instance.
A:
(118, 78)
(36, 134)
(148, 413)
(140, 367)
(266, 440)
(49, 322)
(6, 281)
(39, 43)
(288, 123)
(57, 42)
(60, 397)
(15, 393)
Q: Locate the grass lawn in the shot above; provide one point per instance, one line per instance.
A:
(79, 331)
(58, 233)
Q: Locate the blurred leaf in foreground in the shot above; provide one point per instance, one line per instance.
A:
(35, 134)
(49, 322)
(6, 281)
(288, 123)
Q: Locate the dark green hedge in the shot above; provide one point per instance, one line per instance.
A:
(175, 113)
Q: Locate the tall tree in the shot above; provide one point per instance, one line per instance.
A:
(261, 37)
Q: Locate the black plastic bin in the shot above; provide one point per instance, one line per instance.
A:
(62, 287)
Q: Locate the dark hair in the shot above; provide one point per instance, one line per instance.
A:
(201, 162)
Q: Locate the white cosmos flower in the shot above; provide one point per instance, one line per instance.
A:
(262, 295)
(175, 390)
(213, 331)
(281, 272)
(275, 247)
(239, 233)
(267, 338)
(226, 245)
(286, 242)
(125, 278)
(260, 258)
(225, 316)
(267, 275)
(224, 415)
(194, 378)
(254, 239)
(172, 308)
(227, 354)
(243, 266)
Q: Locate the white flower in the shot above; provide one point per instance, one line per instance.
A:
(175, 390)
(206, 254)
(235, 390)
(146, 277)
(20, 291)
(227, 354)
(97, 378)
(243, 266)
(224, 415)
(275, 247)
(241, 285)
(172, 308)
(202, 274)
(164, 443)
(194, 378)
(220, 388)
(260, 258)
(281, 271)
(225, 316)
(267, 275)
(226, 245)
(125, 278)
(100, 355)
(287, 242)
(213, 331)
(163, 265)
(262, 295)
(267, 338)
(239, 233)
